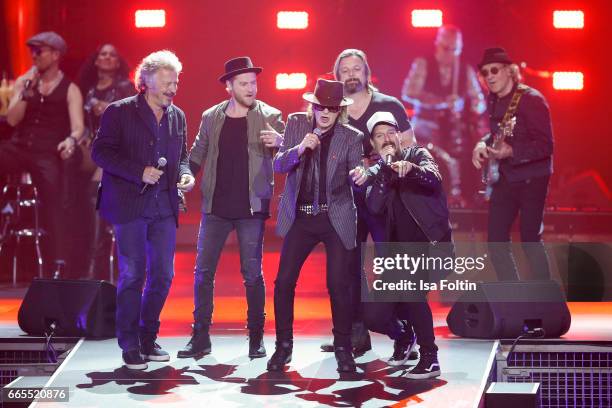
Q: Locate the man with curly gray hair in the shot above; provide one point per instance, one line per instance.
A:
(141, 146)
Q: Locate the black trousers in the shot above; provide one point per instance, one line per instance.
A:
(367, 223)
(305, 233)
(46, 169)
(507, 201)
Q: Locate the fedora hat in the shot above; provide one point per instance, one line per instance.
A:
(493, 55)
(237, 66)
(328, 93)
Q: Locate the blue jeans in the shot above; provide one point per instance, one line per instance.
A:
(211, 239)
(146, 243)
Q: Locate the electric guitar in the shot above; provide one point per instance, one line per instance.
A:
(490, 173)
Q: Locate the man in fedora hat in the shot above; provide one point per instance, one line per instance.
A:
(317, 206)
(234, 147)
(47, 111)
(525, 164)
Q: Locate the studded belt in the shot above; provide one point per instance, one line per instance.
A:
(309, 209)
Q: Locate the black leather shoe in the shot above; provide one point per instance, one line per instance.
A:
(198, 346)
(344, 358)
(281, 356)
(328, 346)
(256, 344)
(133, 360)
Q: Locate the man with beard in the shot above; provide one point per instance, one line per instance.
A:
(141, 147)
(446, 95)
(47, 111)
(352, 69)
(405, 188)
(235, 147)
(525, 164)
(317, 206)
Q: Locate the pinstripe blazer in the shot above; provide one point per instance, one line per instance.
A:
(124, 146)
(345, 152)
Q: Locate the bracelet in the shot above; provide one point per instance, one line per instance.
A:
(74, 139)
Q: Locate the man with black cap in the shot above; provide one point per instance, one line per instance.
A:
(234, 147)
(47, 110)
(317, 206)
(352, 69)
(405, 188)
(520, 164)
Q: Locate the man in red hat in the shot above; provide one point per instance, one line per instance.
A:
(234, 147)
(522, 163)
(317, 206)
(47, 110)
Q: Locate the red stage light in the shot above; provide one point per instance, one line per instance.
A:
(150, 18)
(292, 20)
(568, 81)
(296, 80)
(568, 19)
(426, 18)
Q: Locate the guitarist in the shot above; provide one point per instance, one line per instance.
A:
(525, 164)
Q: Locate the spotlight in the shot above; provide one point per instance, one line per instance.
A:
(568, 19)
(568, 81)
(426, 18)
(292, 20)
(296, 80)
(150, 18)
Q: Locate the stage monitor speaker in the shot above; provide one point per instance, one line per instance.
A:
(79, 308)
(497, 310)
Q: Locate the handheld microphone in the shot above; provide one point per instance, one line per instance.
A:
(161, 162)
(317, 132)
(388, 159)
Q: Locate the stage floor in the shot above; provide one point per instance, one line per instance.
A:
(227, 378)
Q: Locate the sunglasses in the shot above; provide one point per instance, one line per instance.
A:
(38, 50)
(320, 108)
(485, 72)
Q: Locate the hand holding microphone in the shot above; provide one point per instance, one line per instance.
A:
(310, 141)
(151, 174)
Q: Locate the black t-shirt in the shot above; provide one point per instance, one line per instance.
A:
(380, 103)
(231, 196)
(306, 194)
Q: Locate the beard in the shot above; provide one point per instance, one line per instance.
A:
(352, 86)
(242, 101)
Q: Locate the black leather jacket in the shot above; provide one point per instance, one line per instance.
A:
(420, 190)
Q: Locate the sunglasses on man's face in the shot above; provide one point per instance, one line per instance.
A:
(493, 71)
(320, 108)
(38, 50)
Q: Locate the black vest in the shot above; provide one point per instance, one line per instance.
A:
(433, 82)
(46, 121)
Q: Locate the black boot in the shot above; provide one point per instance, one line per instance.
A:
(344, 358)
(281, 356)
(198, 346)
(256, 344)
(360, 339)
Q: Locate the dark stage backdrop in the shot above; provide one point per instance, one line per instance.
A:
(205, 34)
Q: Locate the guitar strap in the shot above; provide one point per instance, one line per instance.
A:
(514, 102)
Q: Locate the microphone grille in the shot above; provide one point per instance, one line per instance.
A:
(161, 162)
(317, 132)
